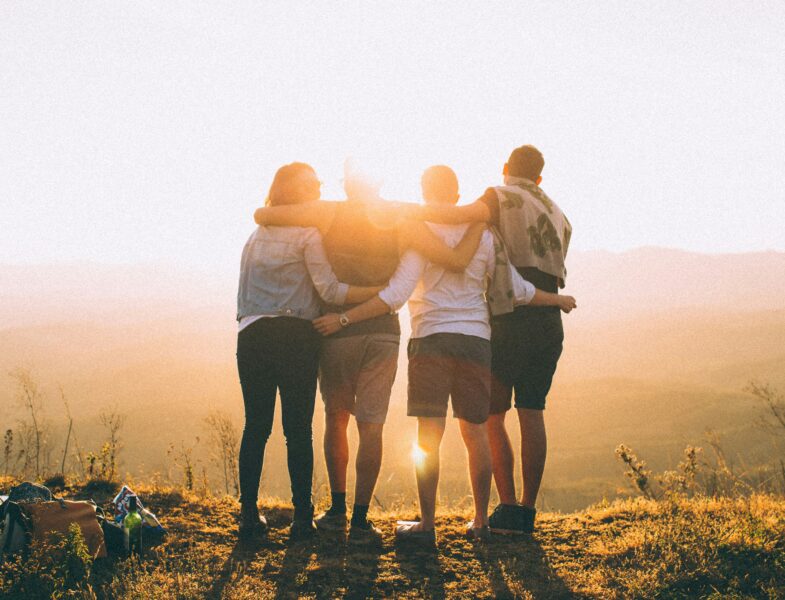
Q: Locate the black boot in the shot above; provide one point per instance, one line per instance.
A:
(303, 526)
(252, 524)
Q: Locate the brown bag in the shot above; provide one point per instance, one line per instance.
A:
(47, 518)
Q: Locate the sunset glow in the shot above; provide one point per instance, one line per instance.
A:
(173, 121)
(418, 455)
(213, 294)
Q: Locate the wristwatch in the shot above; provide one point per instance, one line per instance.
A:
(343, 319)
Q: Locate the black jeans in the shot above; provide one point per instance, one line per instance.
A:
(278, 354)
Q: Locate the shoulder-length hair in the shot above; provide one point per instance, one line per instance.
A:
(287, 185)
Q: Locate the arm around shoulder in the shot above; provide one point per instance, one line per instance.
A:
(476, 212)
(317, 214)
(417, 236)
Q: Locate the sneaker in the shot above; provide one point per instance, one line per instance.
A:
(302, 529)
(405, 532)
(331, 521)
(527, 518)
(479, 534)
(512, 519)
(366, 533)
(251, 524)
(303, 526)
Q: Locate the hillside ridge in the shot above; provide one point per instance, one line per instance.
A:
(634, 548)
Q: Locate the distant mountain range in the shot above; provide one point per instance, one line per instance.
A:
(611, 285)
(607, 284)
(85, 291)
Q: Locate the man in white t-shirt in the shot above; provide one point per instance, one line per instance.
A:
(449, 358)
(449, 355)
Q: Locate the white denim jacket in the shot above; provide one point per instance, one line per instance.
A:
(283, 272)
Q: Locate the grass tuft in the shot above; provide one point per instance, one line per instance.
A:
(635, 548)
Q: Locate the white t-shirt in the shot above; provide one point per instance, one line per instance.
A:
(442, 301)
(250, 320)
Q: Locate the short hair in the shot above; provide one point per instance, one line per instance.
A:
(438, 181)
(526, 162)
(283, 189)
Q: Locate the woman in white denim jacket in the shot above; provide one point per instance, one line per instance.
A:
(283, 278)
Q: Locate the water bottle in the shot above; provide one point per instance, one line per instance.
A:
(132, 529)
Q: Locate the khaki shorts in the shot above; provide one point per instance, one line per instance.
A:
(356, 374)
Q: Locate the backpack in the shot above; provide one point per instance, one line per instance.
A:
(13, 529)
(14, 524)
(29, 492)
(30, 514)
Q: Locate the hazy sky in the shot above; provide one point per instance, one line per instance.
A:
(148, 131)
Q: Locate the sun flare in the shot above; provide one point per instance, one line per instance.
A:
(418, 455)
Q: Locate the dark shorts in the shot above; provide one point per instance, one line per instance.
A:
(445, 365)
(526, 347)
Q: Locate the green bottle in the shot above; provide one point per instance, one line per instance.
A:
(132, 529)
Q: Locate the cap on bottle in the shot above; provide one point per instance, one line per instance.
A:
(131, 502)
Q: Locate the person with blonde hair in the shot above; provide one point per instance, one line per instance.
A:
(284, 276)
(363, 238)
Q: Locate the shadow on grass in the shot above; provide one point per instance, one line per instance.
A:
(344, 566)
(421, 566)
(517, 565)
(323, 566)
(243, 552)
(362, 571)
(293, 578)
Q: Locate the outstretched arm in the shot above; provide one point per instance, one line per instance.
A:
(565, 303)
(323, 277)
(331, 322)
(391, 298)
(417, 236)
(526, 293)
(476, 212)
(309, 214)
(359, 293)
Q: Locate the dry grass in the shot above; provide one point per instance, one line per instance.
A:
(629, 549)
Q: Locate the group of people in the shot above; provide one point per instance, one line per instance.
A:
(320, 286)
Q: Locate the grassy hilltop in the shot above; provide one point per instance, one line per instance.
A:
(711, 548)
